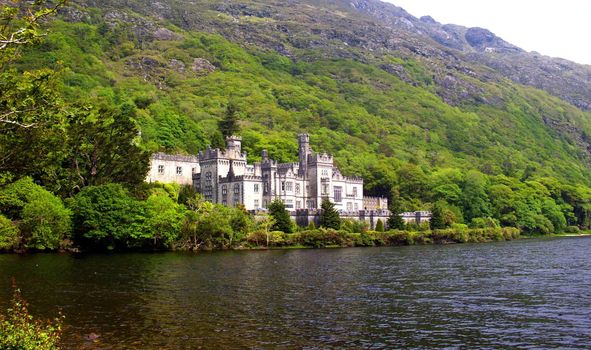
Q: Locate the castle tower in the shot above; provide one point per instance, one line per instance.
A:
(234, 144)
(304, 151)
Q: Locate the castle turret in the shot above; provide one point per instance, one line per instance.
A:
(304, 150)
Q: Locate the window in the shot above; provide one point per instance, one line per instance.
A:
(193, 170)
(289, 203)
(324, 189)
(256, 188)
(256, 203)
(349, 206)
(298, 204)
(224, 189)
(236, 188)
(266, 187)
(356, 206)
(355, 192)
(324, 172)
(297, 188)
(265, 203)
(310, 204)
(289, 186)
(179, 170)
(282, 185)
(160, 169)
(225, 202)
(338, 194)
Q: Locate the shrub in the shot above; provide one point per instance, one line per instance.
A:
(46, 222)
(379, 226)
(106, 216)
(572, 229)
(9, 235)
(351, 225)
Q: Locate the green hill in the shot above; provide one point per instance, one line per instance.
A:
(420, 121)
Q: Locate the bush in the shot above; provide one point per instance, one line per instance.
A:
(20, 331)
(484, 223)
(44, 220)
(9, 235)
(259, 239)
(350, 225)
(379, 226)
(323, 238)
(572, 229)
(211, 226)
(106, 217)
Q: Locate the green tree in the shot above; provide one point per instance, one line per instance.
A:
(281, 216)
(209, 226)
(437, 216)
(329, 217)
(31, 110)
(264, 223)
(163, 218)
(379, 226)
(104, 149)
(395, 221)
(228, 125)
(46, 222)
(475, 200)
(106, 216)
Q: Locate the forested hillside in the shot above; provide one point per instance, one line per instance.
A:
(422, 121)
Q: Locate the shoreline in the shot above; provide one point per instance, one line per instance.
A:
(331, 239)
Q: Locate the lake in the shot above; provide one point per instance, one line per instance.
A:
(520, 294)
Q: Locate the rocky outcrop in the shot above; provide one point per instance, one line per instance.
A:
(359, 30)
(484, 40)
(201, 66)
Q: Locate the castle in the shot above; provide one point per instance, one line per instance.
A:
(224, 176)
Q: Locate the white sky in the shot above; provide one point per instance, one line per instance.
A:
(553, 28)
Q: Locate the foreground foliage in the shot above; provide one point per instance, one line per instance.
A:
(20, 331)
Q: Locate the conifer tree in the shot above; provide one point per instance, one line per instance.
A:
(330, 217)
(281, 216)
(228, 126)
(395, 221)
(379, 226)
(437, 219)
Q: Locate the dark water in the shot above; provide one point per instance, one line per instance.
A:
(522, 294)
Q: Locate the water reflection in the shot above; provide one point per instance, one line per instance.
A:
(523, 294)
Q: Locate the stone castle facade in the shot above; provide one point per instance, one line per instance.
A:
(225, 177)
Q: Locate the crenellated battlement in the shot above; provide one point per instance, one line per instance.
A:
(174, 157)
(321, 158)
